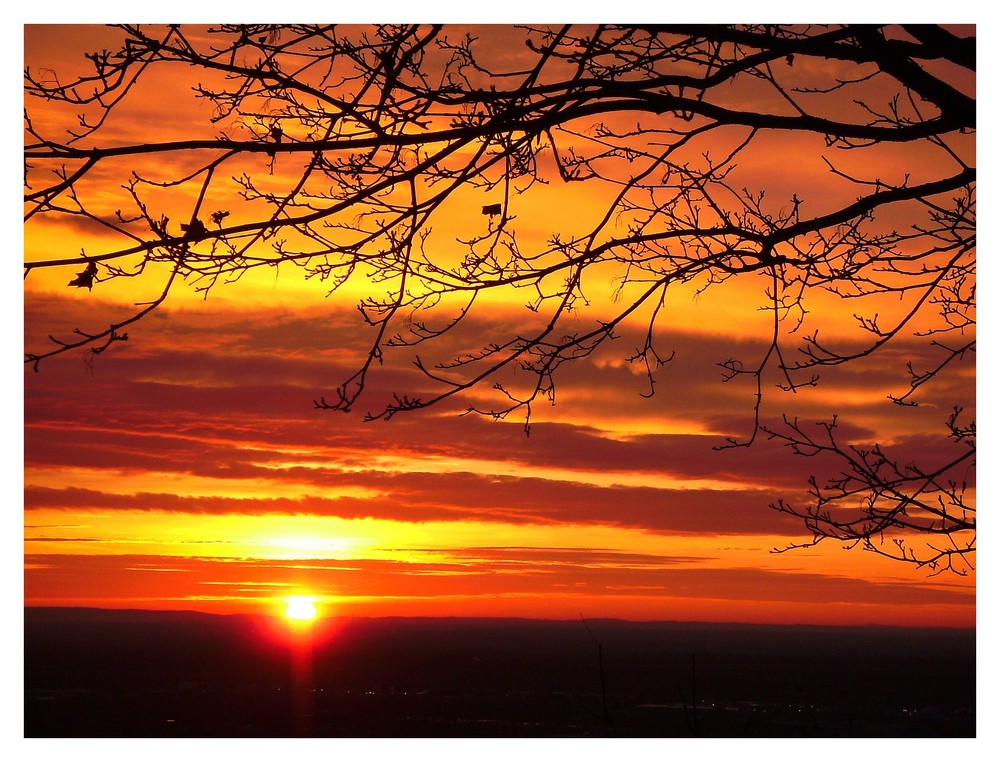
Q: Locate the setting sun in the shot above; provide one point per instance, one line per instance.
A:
(300, 608)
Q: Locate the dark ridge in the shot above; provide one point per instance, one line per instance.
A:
(116, 673)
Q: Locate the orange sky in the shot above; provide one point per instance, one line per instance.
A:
(187, 468)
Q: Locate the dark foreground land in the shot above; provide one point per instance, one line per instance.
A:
(150, 674)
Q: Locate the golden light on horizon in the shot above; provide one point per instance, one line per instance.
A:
(301, 608)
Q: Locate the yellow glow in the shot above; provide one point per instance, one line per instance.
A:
(300, 608)
(280, 538)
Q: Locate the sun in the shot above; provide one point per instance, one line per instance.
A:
(301, 608)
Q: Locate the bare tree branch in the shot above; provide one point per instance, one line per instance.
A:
(345, 152)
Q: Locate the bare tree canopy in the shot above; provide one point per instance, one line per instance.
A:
(416, 169)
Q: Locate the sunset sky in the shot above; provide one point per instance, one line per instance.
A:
(187, 468)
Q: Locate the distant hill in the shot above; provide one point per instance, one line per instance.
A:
(93, 672)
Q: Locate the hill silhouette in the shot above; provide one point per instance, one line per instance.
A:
(109, 673)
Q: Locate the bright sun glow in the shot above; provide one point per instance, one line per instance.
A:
(300, 608)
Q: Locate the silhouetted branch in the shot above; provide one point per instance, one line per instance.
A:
(354, 155)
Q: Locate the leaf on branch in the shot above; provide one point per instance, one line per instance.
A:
(196, 229)
(85, 278)
(492, 209)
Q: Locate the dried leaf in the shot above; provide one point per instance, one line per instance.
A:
(85, 278)
(196, 229)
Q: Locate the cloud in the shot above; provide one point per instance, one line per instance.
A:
(510, 572)
(213, 398)
(422, 497)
